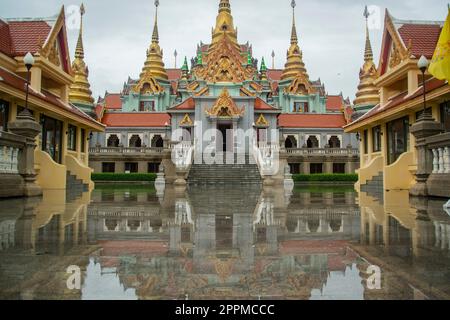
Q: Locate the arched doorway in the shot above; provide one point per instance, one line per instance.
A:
(290, 143)
(113, 141)
(312, 142)
(157, 142)
(135, 141)
(334, 142)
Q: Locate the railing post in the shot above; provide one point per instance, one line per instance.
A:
(422, 129)
(26, 126)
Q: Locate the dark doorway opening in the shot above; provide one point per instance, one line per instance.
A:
(225, 130)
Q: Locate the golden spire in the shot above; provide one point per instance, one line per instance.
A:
(224, 25)
(368, 93)
(80, 90)
(294, 66)
(154, 64)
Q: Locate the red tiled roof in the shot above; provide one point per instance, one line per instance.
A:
(274, 74)
(334, 103)
(311, 121)
(99, 111)
(262, 105)
(174, 74)
(401, 98)
(27, 36)
(188, 104)
(19, 83)
(113, 101)
(141, 120)
(423, 37)
(5, 38)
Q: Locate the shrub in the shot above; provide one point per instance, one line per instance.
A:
(124, 177)
(325, 177)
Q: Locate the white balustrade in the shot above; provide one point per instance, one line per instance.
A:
(9, 160)
(441, 160)
(322, 151)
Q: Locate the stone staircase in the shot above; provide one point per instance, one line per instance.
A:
(224, 174)
(374, 187)
(74, 187)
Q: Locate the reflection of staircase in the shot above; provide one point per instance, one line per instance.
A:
(202, 174)
(74, 187)
(374, 187)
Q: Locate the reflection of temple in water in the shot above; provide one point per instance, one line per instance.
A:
(224, 243)
(39, 239)
(410, 239)
(216, 242)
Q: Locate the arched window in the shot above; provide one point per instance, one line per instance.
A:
(291, 142)
(334, 142)
(157, 142)
(313, 224)
(135, 141)
(113, 141)
(312, 142)
(335, 224)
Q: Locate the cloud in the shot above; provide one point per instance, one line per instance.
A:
(331, 33)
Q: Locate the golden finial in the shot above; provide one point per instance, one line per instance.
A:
(79, 51)
(155, 37)
(294, 38)
(368, 53)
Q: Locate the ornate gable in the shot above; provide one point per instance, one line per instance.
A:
(225, 107)
(262, 122)
(300, 86)
(148, 85)
(187, 121)
(393, 50)
(225, 64)
(55, 48)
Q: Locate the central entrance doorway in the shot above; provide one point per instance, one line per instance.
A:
(226, 136)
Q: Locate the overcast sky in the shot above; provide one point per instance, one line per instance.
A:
(331, 33)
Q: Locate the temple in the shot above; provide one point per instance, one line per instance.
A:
(223, 94)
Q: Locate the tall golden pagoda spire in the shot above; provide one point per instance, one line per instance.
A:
(224, 25)
(294, 65)
(368, 93)
(80, 90)
(154, 64)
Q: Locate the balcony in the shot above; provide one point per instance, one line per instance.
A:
(125, 151)
(322, 152)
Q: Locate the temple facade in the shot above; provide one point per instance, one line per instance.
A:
(224, 102)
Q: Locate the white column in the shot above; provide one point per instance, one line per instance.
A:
(435, 161)
(447, 160)
(441, 160)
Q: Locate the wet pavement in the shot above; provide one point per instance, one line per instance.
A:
(131, 242)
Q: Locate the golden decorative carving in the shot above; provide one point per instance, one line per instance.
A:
(255, 86)
(247, 93)
(225, 107)
(300, 86)
(395, 58)
(148, 85)
(225, 64)
(202, 92)
(53, 55)
(193, 86)
(224, 269)
(262, 122)
(187, 121)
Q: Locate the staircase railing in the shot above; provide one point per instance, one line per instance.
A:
(183, 155)
(267, 158)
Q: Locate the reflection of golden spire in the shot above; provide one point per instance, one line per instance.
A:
(80, 90)
(154, 64)
(224, 24)
(294, 65)
(367, 95)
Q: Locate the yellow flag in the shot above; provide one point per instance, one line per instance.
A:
(440, 64)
